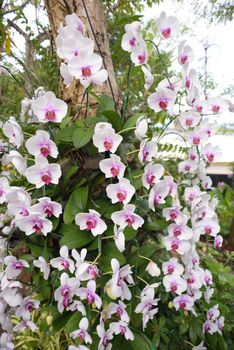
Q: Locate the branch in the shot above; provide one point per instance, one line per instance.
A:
(18, 29)
(6, 12)
(42, 37)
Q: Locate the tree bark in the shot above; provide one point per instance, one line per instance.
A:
(91, 13)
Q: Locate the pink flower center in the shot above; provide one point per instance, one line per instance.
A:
(50, 115)
(215, 108)
(90, 298)
(145, 154)
(37, 225)
(196, 140)
(190, 280)
(1, 192)
(132, 42)
(48, 209)
(121, 195)
(163, 103)
(115, 170)
(184, 59)
(45, 150)
(173, 214)
(192, 156)
(141, 58)
(105, 341)
(182, 304)
(92, 272)
(177, 231)
(91, 223)
(122, 330)
(199, 109)
(81, 335)
(191, 197)
(173, 287)
(157, 199)
(76, 53)
(86, 72)
(108, 144)
(18, 265)
(149, 306)
(166, 32)
(208, 230)
(187, 167)
(24, 211)
(65, 302)
(29, 306)
(170, 269)
(187, 83)
(174, 246)
(189, 122)
(65, 264)
(207, 327)
(119, 311)
(210, 157)
(65, 291)
(150, 178)
(46, 177)
(129, 219)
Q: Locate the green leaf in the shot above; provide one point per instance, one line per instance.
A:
(147, 250)
(77, 203)
(73, 237)
(129, 233)
(114, 118)
(61, 321)
(131, 121)
(109, 251)
(73, 322)
(141, 342)
(155, 225)
(81, 136)
(71, 171)
(65, 134)
(105, 103)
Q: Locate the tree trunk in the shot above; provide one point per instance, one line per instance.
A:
(74, 94)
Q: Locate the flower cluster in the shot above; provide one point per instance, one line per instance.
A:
(80, 286)
(77, 53)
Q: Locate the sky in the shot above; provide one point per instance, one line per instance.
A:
(219, 36)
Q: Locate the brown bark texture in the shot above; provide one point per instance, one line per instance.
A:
(91, 13)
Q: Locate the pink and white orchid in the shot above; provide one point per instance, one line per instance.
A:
(91, 222)
(106, 140)
(48, 108)
(41, 145)
(14, 267)
(47, 207)
(112, 167)
(121, 192)
(63, 262)
(12, 130)
(89, 293)
(168, 26)
(86, 68)
(43, 266)
(162, 99)
(82, 333)
(34, 223)
(127, 217)
(43, 173)
(152, 174)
